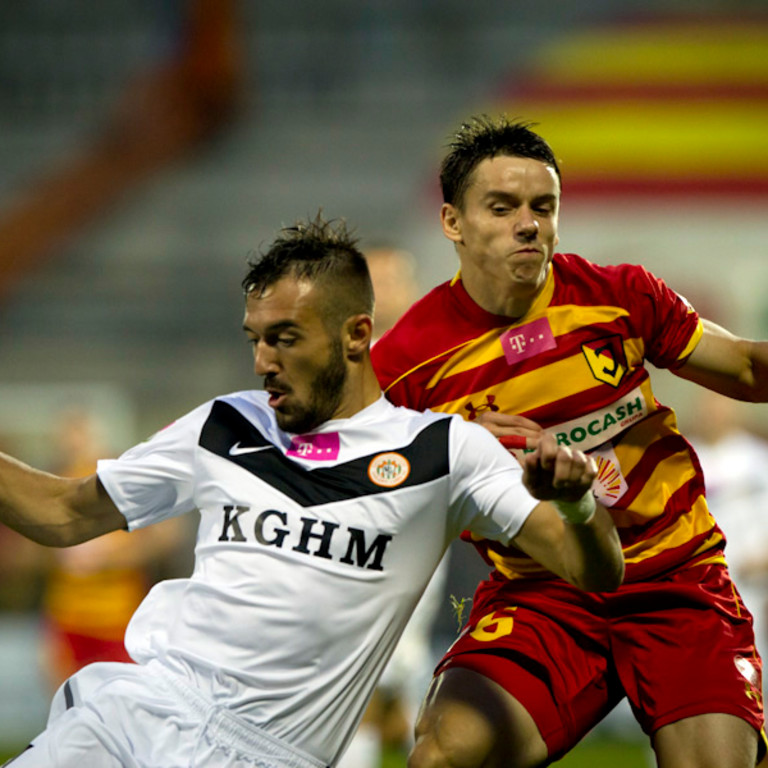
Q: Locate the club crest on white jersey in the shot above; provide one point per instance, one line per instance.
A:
(389, 469)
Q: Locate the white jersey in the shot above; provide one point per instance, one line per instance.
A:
(311, 553)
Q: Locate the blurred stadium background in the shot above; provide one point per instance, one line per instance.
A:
(147, 146)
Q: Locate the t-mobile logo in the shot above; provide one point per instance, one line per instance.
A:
(527, 340)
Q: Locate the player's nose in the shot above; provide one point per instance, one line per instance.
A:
(526, 222)
(264, 359)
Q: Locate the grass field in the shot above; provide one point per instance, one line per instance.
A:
(593, 752)
(607, 753)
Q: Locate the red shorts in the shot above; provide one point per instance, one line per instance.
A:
(677, 646)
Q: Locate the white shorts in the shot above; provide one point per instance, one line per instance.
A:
(112, 715)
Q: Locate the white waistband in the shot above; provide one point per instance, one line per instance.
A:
(226, 728)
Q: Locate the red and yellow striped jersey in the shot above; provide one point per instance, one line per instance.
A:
(575, 364)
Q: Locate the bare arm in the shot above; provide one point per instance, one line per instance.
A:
(586, 554)
(729, 365)
(52, 510)
(503, 424)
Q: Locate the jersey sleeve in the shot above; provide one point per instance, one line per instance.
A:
(154, 480)
(488, 496)
(669, 325)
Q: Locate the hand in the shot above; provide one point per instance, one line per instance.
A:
(557, 472)
(502, 425)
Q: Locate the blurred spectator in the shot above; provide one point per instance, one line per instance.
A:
(735, 463)
(393, 273)
(21, 582)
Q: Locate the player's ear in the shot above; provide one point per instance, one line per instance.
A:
(449, 218)
(358, 330)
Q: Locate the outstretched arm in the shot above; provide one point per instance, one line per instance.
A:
(729, 365)
(568, 532)
(52, 510)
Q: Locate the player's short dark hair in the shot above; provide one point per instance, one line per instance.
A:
(485, 137)
(321, 252)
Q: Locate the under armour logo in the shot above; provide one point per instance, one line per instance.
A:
(488, 405)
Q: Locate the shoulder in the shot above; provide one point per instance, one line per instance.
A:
(611, 282)
(245, 401)
(435, 326)
(389, 426)
(247, 406)
(455, 430)
(431, 308)
(252, 404)
(465, 450)
(236, 407)
(574, 264)
(413, 340)
(391, 417)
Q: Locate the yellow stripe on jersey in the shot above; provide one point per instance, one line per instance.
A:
(424, 363)
(668, 476)
(570, 317)
(633, 446)
(516, 567)
(634, 349)
(693, 523)
(528, 392)
(474, 354)
(695, 339)
(534, 389)
(487, 348)
(716, 559)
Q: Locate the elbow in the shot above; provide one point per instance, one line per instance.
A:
(607, 578)
(58, 537)
(610, 579)
(604, 568)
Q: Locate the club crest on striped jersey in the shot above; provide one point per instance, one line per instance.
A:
(606, 359)
(389, 469)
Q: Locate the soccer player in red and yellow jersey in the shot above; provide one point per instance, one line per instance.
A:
(526, 340)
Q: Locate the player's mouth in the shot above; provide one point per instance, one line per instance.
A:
(276, 398)
(277, 394)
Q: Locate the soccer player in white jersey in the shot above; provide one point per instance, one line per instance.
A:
(324, 511)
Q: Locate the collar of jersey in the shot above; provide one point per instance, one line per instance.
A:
(474, 310)
(371, 412)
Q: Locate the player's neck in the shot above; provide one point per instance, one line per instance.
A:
(360, 390)
(509, 305)
(502, 294)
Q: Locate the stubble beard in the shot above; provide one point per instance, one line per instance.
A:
(327, 391)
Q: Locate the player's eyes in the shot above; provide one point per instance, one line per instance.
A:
(273, 341)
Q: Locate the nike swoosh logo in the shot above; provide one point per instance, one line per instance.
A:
(238, 450)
